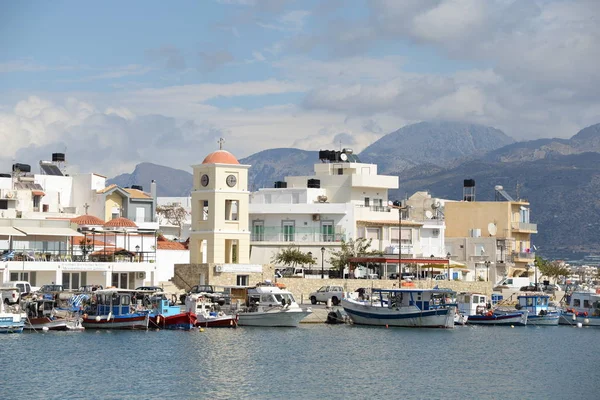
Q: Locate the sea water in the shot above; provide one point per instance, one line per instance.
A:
(309, 362)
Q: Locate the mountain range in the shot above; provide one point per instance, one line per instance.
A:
(559, 177)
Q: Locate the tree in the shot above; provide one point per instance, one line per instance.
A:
(551, 269)
(86, 246)
(174, 214)
(292, 256)
(360, 247)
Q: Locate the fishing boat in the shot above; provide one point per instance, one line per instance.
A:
(539, 312)
(41, 316)
(209, 314)
(113, 309)
(10, 321)
(479, 311)
(419, 308)
(270, 305)
(165, 316)
(582, 307)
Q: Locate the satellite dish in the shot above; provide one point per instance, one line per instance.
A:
(436, 204)
(492, 229)
(390, 203)
(428, 214)
(343, 157)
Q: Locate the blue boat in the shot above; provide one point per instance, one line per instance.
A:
(114, 309)
(164, 315)
(10, 322)
(537, 306)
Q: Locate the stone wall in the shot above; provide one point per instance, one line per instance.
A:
(187, 275)
(301, 287)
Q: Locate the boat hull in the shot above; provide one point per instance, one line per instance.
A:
(567, 319)
(57, 324)
(182, 321)
(543, 320)
(515, 319)
(132, 321)
(362, 313)
(11, 324)
(224, 321)
(275, 318)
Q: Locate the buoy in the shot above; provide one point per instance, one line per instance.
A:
(45, 329)
(386, 325)
(512, 326)
(98, 318)
(201, 329)
(579, 324)
(586, 321)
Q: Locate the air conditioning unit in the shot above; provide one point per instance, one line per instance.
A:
(218, 268)
(316, 217)
(141, 275)
(436, 232)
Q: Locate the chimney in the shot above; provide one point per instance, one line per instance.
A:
(153, 189)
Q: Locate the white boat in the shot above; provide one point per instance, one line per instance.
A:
(10, 321)
(270, 305)
(41, 316)
(420, 308)
(209, 314)
(582, 307)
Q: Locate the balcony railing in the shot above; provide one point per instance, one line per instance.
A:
(278, 234)
(76, 255)
(525, 256)
(524, 227)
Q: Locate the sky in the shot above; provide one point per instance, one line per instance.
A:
(116, 83)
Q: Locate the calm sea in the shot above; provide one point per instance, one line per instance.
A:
(310, 362)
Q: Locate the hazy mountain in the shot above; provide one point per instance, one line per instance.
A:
(440, 143)
(170, 182)
(273, 165)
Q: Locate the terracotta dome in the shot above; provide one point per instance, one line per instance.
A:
(120, 222)
(87, 220)
(220, 157)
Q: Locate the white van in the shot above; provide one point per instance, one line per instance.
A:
(512, 283)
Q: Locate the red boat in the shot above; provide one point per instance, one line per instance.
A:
(165, 316)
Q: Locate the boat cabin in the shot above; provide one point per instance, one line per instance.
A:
(584, 302)
(472, 303)
(39, 308)
(270, 296)
(423, 299)
(536, 304)
(113, 301)
(162, 306)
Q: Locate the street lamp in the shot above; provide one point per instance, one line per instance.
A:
(398, 204)
(487, 270)
(448, 257)
(322, 262)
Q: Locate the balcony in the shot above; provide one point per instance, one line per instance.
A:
(298, 235)
(77, 255)
(524, 227)
(523, 257)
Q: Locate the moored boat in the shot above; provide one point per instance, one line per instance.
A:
(165, 316)
(539, 312)
(581, 307)
(271, 306)
(421, 308)
(113, 309)
(209, 314)
(10, 321)
(41, 317)
(499, 318)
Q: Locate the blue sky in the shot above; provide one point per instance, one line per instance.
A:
(284, 73)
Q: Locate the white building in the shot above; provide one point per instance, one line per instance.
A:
(344, 199)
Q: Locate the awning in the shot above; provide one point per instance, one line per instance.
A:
(38, 193)
(48, 231)
(10, 231)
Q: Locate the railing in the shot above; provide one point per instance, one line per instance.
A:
(277, 234)
(40, 255)
(523, 256)
(524, 226)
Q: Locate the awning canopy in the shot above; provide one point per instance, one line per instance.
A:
(38, 193)
(48, 231)
(10, 231)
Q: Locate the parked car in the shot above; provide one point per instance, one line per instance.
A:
(51, 289)
(209, 291)
(13, 291)
(139, 295)
(335, 293)
(89, 288)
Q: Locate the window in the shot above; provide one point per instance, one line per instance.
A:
(258, 230)
(140, 214)
(3, 204)
(242, 280)
(115, 213)
(19, 276)
(367, 202)
(119, 280)
(295, 198)
(576, 303)
(586, 304)
(70, 280)
(204, 208)
(394, 235)
(231, 210)
(479, 250)
(374, 233)
(288, 229)
(327, 231)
